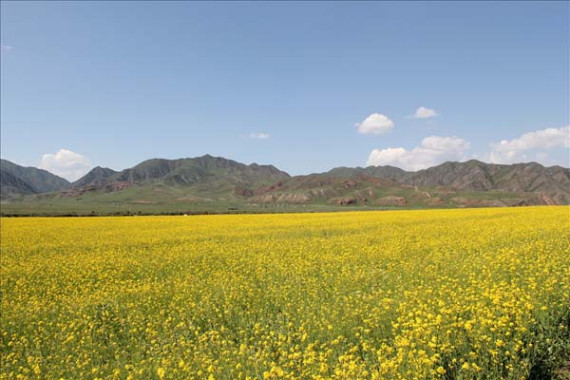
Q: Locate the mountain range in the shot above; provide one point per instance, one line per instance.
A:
(16, 180)
(209, 182)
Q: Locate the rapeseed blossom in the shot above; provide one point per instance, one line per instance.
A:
(463, 294)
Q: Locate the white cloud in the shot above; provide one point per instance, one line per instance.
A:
(432, 151)
(375, 124)
(424, 113)
(259, 136)
(5, 47)
(66, 164)
(510, 151)
(541, 156)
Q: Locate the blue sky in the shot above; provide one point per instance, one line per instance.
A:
(305, 86)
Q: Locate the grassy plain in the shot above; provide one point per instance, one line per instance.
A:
(450, 294)
(165, 200)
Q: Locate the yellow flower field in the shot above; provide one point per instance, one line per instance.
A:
(450, 294)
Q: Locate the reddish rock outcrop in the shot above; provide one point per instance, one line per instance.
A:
(346, 201)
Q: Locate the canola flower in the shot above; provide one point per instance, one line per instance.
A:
(450, 294)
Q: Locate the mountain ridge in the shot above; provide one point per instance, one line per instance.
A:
(18, 179)
(95, 177)
(209, 180)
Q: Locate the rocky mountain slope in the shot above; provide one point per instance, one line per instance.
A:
(190, 171)
(208, 179)
(97, 176)
(201, 178)
(477, 176)
(20, 180)
(469, 183)
(13, 185)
